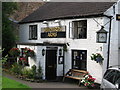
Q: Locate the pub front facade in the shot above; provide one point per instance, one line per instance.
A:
(63, 37)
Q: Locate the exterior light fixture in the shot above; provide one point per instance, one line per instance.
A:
(45, 22)
(60, 52)
(43, 52)
(102, 35)
(57, 21)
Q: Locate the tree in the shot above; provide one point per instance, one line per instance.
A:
(8, 37)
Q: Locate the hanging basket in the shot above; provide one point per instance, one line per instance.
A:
(97, 57)
(28, 52)
(14, 52)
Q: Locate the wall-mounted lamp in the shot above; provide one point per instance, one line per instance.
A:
(60, 52)
(102, 35)
(43, 52)
(45, 22)
(57, 21)
(68, 44)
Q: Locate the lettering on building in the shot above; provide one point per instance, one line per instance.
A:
(53, 32)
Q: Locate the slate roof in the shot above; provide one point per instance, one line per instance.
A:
(66, 10)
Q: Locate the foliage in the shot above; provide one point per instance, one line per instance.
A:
(23, 61)
(97, 57)
(4, 59)
(39, 72)
(16, 68)
(9, 83)
(65, 48)
(34, 71)
(88, 81)
(27, 73)
(14, 52)
(28, 52)
(8, 36)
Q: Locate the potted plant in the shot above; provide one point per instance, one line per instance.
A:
(14, 52)
(28, 52)
(88, 81)
(97, 57)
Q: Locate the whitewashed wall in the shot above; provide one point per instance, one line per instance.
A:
(88, 44)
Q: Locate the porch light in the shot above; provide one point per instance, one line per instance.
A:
(102, 35)
(60, 52)
(43, 52)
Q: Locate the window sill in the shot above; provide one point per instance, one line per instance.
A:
(32, 39)
(79, 38)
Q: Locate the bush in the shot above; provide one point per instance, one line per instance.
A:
(34, 71)
(39, 72)
(16, 69)
(14, 52)
(27, 73)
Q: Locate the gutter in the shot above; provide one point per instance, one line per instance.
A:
(62, 18)
(108, 53)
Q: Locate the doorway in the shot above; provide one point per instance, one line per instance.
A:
(51, 63)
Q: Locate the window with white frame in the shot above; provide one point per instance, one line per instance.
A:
(33, 32)
(79, 29)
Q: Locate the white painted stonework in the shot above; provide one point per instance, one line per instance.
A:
(89, 44)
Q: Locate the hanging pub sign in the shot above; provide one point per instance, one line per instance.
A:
(53, 32)
(117, 16)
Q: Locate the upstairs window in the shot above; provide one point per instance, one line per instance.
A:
(79, 29)
(33, 32)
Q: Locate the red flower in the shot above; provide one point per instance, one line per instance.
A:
(22, 59)
(90, 76)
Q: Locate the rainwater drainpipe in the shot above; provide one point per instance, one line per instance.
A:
(109, 38)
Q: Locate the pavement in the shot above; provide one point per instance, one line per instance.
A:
(46, 84)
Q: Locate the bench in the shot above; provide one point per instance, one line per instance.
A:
(75, 74)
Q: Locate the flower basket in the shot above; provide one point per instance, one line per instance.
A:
(97, 57)
(28, 52)
(88, 81)
(23, 61)
(14, 52)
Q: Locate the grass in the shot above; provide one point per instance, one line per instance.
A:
(9, 83)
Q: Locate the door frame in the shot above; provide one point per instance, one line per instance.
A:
(47, 49)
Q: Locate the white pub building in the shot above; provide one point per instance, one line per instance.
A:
(64, 35)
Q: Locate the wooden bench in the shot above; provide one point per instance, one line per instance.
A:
(75, 74)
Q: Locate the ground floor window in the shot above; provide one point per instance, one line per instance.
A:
(79, 59)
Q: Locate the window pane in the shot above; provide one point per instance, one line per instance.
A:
(110, 76)
(80, 29)
(33, 32)
(79, 59)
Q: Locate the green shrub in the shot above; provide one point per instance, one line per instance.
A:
(34, 71)
(16, 69)
(27, 73)
(39, 72)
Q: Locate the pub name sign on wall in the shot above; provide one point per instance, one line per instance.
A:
(117, 16)
(53, 32)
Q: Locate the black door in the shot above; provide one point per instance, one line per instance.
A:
(51, 63)
(79, 59)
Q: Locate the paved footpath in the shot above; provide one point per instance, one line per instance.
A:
(46, 84)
